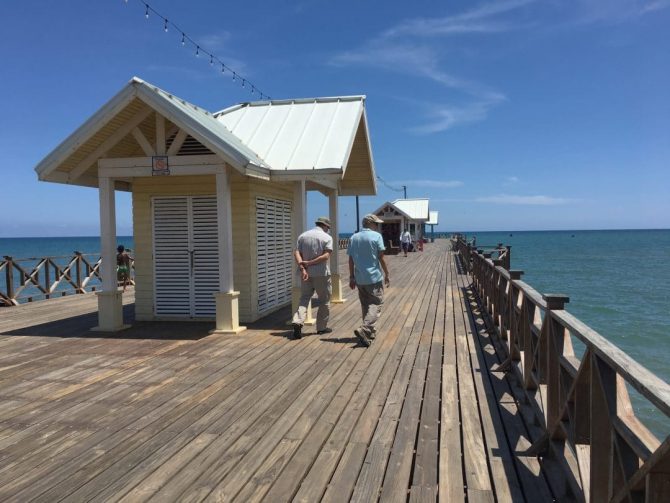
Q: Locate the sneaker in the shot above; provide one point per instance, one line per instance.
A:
(362, 338)
(372, 336)
(297, 331)
(327, 330)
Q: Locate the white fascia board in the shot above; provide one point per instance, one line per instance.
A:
(389, 203)
(372, 160)
(350, 143)
(84, 132)
(86, 181)
(177, 160)
(146, 171)
(330, 179)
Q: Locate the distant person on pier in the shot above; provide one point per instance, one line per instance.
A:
(123, 266)
(366, 262)
(405, 241)
(312, 254)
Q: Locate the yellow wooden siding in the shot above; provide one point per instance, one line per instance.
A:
(244, 192)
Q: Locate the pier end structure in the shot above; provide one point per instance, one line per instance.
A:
(218, 198)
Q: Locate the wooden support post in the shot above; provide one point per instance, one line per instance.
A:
(110, 306)
(334, 263)
(299, 226)
(227, 303)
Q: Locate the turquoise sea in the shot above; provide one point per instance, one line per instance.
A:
(618, 283)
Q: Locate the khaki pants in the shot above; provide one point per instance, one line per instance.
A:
(324, 289)
(372, 299)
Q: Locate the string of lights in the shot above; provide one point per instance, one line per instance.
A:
(199, 50)
(389, 186)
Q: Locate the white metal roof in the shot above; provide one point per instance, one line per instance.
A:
(324, 141)
(433, 220)
(306, 134)
(417, 209)
(198, 122)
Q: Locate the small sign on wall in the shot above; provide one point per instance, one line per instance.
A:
(159, 165)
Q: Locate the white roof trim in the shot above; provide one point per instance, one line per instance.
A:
(389, 203)
(214, 136)
(84, 132)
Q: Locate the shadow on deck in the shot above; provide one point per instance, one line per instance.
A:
(164, 411)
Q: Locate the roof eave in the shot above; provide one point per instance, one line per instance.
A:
(84, 132)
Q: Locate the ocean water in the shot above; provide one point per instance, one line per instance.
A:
(618, 283)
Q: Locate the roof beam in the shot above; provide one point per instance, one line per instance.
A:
(143, 142)
(160, 134)
(177, 142)
(115, 138)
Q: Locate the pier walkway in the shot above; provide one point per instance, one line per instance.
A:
(166, 412)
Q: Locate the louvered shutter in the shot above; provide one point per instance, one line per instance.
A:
(172, 274)
(205, 256)
(274, 252)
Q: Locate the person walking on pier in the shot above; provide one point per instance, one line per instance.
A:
(312, 254)
(405, 241)
(366, 262)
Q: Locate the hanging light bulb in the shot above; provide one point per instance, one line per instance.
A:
(165, 25)
(243, 82)
(211, 60)
(222, 67)
(146, 12)
(234, 75)
(183, 39)
(197, 51)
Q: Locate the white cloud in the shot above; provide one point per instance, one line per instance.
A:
(512, 179)
(654, 6)
(214, 41)
(443, 117)
(523, 200)
(476, 20)
(396, 49)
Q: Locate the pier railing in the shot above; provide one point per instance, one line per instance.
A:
(343, 243)
(582, 403)
(28, 279)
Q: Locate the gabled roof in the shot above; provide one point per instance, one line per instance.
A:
(433, 220)
(313, 134)
(134, 101)
(325, 137)
(417, 209)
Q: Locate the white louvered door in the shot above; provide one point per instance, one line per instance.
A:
(205, 248)
(186, 272)
(275, 246)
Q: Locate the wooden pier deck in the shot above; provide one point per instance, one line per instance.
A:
(166, 412)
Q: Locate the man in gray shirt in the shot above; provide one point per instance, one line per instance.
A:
(312, 255)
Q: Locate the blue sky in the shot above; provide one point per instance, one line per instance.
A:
(508, 115)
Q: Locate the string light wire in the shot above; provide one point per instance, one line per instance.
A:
(389, 186)
(212, 57)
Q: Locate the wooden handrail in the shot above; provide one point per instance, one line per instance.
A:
(26, 279)
(582, 403)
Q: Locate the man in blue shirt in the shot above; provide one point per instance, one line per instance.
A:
(366, 262)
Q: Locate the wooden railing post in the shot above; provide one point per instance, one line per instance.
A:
(554, 340)
(9, 276)
(79, 289)
(603, 405)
